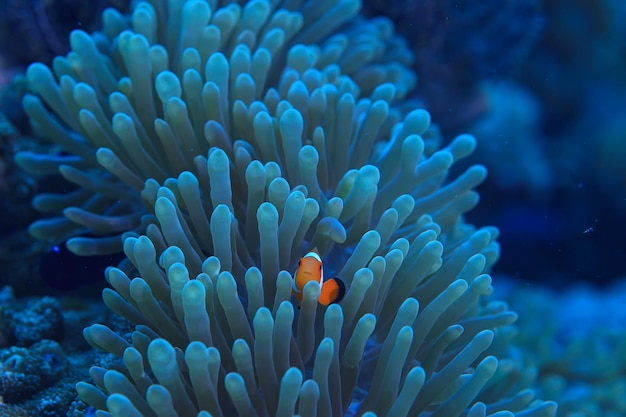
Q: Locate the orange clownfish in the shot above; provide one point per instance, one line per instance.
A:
(310, 268)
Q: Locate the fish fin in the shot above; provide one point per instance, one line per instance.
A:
(333, 291)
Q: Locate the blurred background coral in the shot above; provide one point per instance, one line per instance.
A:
(542, 85)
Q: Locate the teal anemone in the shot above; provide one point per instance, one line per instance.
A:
(224, 140)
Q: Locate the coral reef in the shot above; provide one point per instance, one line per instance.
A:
(575, 80)
(575, 339)
(9, 410)
(39, 380)
(26, 371)
(510, 129)
(39, 319)
(216, 142)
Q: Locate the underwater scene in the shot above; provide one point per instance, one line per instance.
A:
(312, 208)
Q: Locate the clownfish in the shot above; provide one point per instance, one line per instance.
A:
(310, 268)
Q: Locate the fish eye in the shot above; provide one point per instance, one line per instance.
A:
(320, 267)
(299, 262)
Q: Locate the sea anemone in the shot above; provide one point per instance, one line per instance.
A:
(143, 101)
(234, 138)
